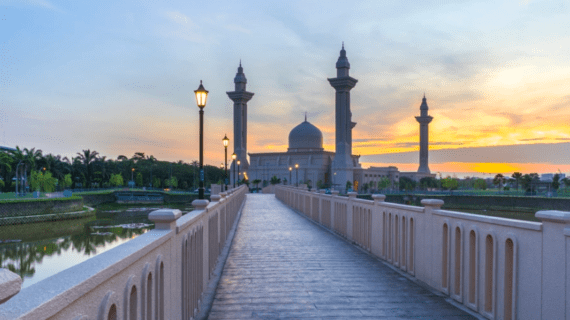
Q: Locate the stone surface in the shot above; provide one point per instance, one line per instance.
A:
(281, 266)
(10, 284)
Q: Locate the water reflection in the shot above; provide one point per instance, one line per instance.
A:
(55, 255)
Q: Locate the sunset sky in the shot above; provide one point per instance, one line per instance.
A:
(118, 77)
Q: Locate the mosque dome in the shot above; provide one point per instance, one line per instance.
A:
(305, 137)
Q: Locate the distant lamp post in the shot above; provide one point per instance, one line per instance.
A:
(201, 97)
(238, 163)
(296, 174)
(226, 142)
(133, 175)
(234, 156)
(290, 173)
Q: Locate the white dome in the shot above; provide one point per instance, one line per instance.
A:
(305, 137)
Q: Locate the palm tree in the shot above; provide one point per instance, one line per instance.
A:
(87, 158)
(517, 176)
(256, 183)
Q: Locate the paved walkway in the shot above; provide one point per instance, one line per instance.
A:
(281, 266)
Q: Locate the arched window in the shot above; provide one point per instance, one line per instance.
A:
(489, 256)
(133, 304)
(411, 261)
(444, 258)
(509, 277)
(457, 262)
(472, 267)
(112, 313)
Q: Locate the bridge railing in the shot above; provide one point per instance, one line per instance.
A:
(161, 274)
(500, 268)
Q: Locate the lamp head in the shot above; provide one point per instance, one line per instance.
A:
(234, 156)
(201, 96)
(290, 169)
(238, 162)
(133, 169)
(296, 166)
(226, 141)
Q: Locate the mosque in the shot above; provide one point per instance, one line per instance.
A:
(306, 161)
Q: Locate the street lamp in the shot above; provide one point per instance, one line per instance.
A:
(201, 97)
(290, 173)
(296, 174)
(226, 142)
(133, 175)
(238, 162)
(234, 156)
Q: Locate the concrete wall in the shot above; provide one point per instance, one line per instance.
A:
(39, 207)
(158, 275)
(499, 268)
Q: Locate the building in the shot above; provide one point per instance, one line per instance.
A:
(306, 161)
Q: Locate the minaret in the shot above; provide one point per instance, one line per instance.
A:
(424, 121)
(342, 165)
(240, 97)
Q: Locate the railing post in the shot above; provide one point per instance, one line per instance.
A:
(165, 219)
(334, 194)
(10, 285)
(321, 193)
(555, 230)
(377, 224)
(427, 261)
(349, 213)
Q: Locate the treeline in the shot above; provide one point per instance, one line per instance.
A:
(31, 169)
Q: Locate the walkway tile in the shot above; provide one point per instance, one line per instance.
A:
(281, 266)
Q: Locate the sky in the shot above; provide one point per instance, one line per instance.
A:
(118, 77)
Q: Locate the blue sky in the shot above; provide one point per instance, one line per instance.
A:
(118, 76)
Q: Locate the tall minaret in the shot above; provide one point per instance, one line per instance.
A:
(424, 121)
(240, 97)
(342, 165)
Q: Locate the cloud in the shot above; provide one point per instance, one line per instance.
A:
(552, 153)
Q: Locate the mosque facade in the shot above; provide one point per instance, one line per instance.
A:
(306, 161)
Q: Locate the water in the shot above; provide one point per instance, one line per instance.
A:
(35, 261)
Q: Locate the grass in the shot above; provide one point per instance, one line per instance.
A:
(44, 230)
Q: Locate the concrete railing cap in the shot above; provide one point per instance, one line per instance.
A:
(432, 202)
(223, 194)
(10, 284)
(379, 197)
(200, 204)
(165, 215)
(215, 197)
(322, 191)
(553, 216)
(334, 192)
(352, 194)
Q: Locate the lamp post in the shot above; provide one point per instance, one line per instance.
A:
(290, 173)
(201, 97)
(133, 175)
(226, 142)
(234, 156)
(296, 174)
(238, 163)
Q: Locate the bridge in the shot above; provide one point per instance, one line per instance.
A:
(308, 255)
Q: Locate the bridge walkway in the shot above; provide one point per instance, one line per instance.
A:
(282, 266)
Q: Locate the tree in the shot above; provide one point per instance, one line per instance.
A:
(407, 184)
(450, 183)
(348, 185)
(428, 182)
(139, 179)
(66, 182)
(42, 181)
(116, 180)
(256, 183)
(480, 184)
(383, 183)
(156, 182)
(499, 180)
(517, 176)
(87, 158)
(275, 180)
(365, 187)
(556, 182)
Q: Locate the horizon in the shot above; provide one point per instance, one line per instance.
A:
(118, 78)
